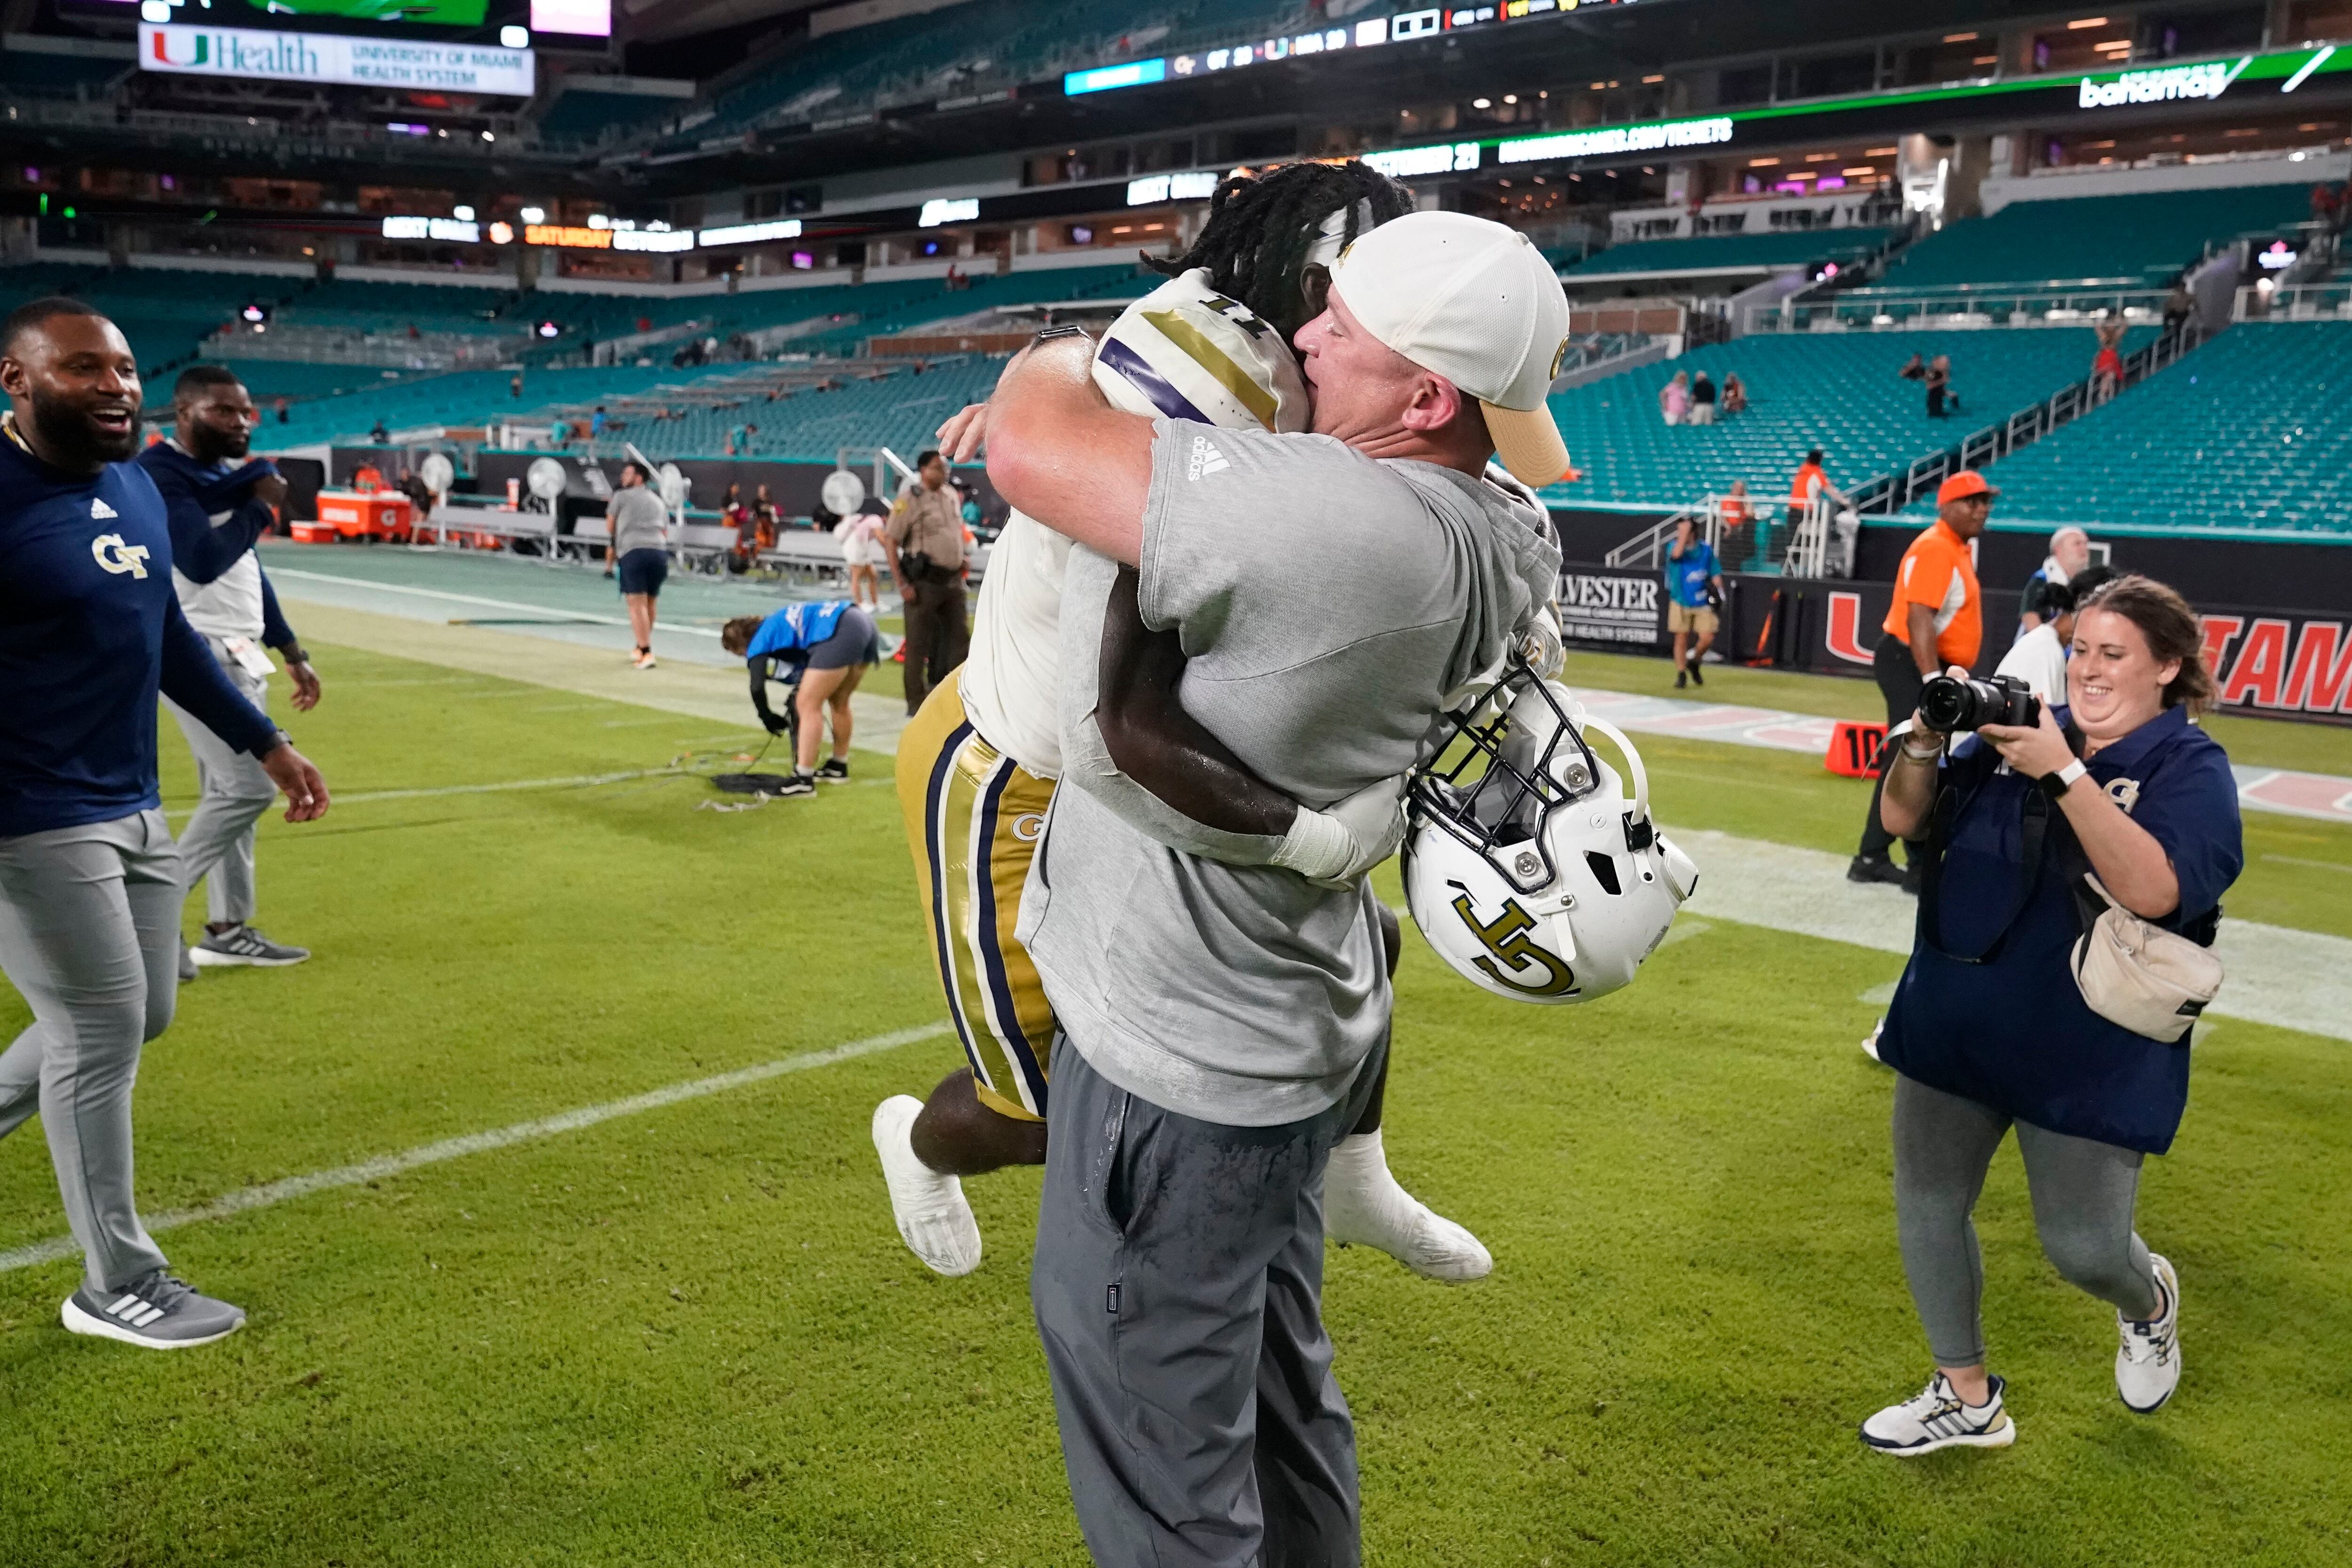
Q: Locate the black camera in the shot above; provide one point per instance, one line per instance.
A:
(1952, 705)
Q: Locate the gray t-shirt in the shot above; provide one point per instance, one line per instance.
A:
(1326, 603)
(639, 520)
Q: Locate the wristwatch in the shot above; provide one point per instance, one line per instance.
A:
(2056, 784)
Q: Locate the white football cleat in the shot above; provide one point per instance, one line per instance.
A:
(2148, 1363)
(1936, 1418)
(934, 1219)
(1362, 1202)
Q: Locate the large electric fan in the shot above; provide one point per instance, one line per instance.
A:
(843, 492)
(672, 486)
(546, 479)
(437, 472)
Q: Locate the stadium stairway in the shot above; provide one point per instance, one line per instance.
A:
(1837, 391)
(2248, 436)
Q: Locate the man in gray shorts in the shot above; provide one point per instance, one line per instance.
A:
(1224, 1023)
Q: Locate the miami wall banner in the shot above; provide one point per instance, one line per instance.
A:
(336, 58)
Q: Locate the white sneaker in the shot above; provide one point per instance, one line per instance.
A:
(2148, 1363)
(1937, 1418)
(1870, 1045)
(934, 1219)
(1362, 1202)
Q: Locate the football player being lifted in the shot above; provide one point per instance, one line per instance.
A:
(977, 768)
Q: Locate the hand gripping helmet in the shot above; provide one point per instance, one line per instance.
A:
(1525, 866)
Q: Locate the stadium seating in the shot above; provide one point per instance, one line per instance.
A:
(584, 116)
(2251, 434)
(1791, 249)
(2142, 240)
(1837, 391)
(58, 76)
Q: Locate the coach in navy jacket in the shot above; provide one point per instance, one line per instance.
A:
(89, 880)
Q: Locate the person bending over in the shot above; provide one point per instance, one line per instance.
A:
(1993, 1027)
(219, 504)
(823, 650)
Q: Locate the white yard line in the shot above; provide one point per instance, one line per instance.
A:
(579, 616)
(270, 1194)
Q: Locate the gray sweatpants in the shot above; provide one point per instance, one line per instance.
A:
(1178, 1286)
(2084, 1192)
(89, 933)
(216, 846)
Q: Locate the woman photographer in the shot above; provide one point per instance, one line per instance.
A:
(1990, 1027)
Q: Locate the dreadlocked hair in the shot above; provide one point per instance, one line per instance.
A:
(1262, 226)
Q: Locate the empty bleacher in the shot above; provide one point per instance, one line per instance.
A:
(1756, 251)
(2140, 241)
(2248, 436)
(1837, 391)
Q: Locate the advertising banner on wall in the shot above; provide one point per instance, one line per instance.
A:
(336, 58)
(2288, 664)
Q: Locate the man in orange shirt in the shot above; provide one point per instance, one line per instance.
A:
(1936, 620)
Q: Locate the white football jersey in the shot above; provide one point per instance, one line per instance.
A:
(1181, 352)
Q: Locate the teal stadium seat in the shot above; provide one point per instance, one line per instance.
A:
(1793, 250)
(2247, 437)
(2140, 240)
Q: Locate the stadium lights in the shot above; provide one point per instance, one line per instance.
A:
(515, 37)
(549, 330)
(502, 234)
(256, 313)
(463, 212)
(750, 233)
(534, 214)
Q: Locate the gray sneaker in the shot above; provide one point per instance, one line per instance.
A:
(243, 944)
(188, 964)
(155, 1309)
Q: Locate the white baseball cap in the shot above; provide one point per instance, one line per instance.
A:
(1474, 301)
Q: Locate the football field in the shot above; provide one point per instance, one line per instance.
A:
(547, 1184)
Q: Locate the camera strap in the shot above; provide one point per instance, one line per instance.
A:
(2034, 835)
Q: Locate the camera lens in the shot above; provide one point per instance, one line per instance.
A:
(1949, 705)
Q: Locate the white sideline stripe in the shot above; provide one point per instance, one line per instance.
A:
(362, 797)
(2293, 979)
(270, 1194)
(580, 615)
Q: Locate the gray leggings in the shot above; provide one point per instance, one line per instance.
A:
(89, 931)
(2082, 1196)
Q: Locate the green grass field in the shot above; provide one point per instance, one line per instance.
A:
(691, 1336)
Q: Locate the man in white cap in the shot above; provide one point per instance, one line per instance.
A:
(1224, 1024)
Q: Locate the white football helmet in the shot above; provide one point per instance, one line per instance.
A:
(1525, 866)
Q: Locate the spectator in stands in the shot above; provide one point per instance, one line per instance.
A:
(285, 411)
(2039, 656)
(861, 548)
(2179, 305)
(2108, 365)
(1673, 398)
(640, 551)
(1694, 587)
(595, 428)
(378, 433)
(1735, 394)
(765, 518)
(1937, 622)
(2070, 552)
(924, 545)
(1737, 513)
(1995, 1029)
(1939, 387)
(1702, 403)
(1811, 485)
(514, 386)
(1914, 369)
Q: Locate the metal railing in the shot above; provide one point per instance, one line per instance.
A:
(2295, 302)
(1963, 306)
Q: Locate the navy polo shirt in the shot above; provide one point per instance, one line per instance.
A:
(2015, 1032)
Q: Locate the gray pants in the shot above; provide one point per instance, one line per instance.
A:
(2082, 1190)
(1178, 1286)
(89, 931)
(216, 846)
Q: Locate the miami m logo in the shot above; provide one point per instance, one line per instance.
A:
(203, 50)
(1845, 628)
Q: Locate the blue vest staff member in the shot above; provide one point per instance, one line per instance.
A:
(2003, 1037)
(823, 649)
(90, 880)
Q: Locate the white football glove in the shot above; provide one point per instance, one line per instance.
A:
(1540, 646)
(1336, 846)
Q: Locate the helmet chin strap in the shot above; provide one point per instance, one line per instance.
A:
(1563, 935)
(1633, 763)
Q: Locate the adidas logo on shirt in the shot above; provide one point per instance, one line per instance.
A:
(1205, 460)
(100, 511)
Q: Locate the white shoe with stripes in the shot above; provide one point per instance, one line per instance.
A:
(1937, 1418)
(156, 1310)
(2148, 1363)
